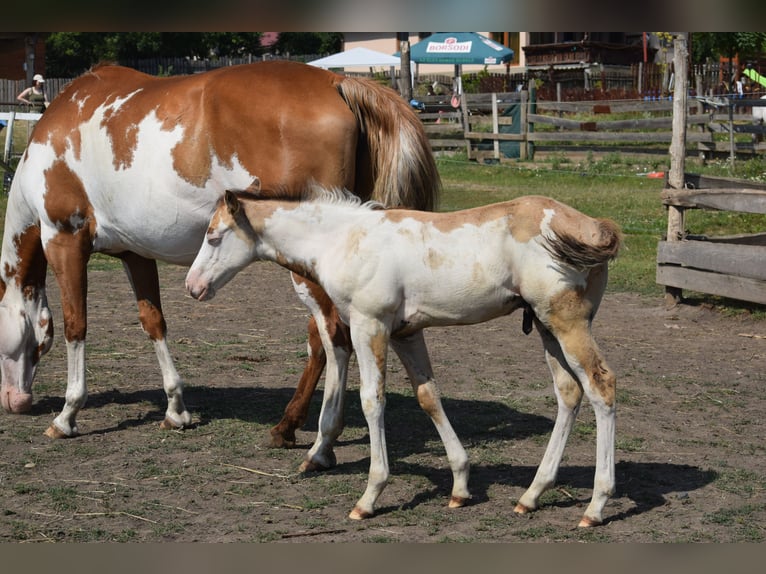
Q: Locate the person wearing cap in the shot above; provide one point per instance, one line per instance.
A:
(35, 95)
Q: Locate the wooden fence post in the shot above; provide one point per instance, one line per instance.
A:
(9, 136)
(677, 153)
(524, 127)
(532, 110)
(495, 127)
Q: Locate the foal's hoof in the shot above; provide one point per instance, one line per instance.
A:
(169, 424)
(312, 466)
(318, 463)
(588, 522)
(521, 509)
(359, 514)
(457, 501)
(55, 432)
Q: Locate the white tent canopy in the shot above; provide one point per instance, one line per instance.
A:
(356, 57)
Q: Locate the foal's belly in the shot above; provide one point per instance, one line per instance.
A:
(460, 309)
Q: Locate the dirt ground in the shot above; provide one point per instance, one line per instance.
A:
(690, 431)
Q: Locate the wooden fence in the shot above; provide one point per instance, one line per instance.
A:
(731, 266)
(714, 125)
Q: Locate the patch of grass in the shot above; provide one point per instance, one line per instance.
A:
(62, 498)
(746, 519)
(740, 481)
(630, 444)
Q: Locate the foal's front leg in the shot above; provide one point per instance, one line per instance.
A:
(336, 341)
(370, 339)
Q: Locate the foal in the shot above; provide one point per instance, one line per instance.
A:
(393, 273)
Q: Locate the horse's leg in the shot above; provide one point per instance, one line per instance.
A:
(142, 274)
(296, 411)
(370, 339)
(413, 353)
(577, 366)
(68, 255)
(336, 341)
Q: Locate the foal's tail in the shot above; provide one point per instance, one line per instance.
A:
(595, 244)
(402, 168)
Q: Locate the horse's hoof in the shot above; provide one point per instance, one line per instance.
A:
(359, 514)
(588, 522)
(521, 509)
(279, 440)
(457, 501)
(55, 432)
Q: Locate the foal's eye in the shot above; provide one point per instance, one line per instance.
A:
(214, 241)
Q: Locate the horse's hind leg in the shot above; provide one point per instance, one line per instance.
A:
(142, 273)
(413, 354)
(296, 411)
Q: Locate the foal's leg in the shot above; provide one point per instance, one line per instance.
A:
(142, 274)
(577, 366)
(337, 345)
(413, 353)
(370, 339)
(569, 396)
(68, 255)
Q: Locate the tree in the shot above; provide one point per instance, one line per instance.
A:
(712, 45)
(69, 54)
(309, 42)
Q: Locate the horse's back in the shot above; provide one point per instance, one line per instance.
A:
(140, 153)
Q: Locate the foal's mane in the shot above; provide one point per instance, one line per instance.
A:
(313, 192)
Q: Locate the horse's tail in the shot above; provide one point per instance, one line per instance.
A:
(593, 245)
(402, 167)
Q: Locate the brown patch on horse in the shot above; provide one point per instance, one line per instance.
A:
(428, 399)
(450, 221)
(66, 202)
(32, 267)
(152, 320)
(569, 319)
(68, 255)
(338, 331)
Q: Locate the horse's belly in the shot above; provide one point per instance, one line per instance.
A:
(172, 235)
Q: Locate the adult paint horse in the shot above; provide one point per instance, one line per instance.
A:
(393, 273)
(132, 165)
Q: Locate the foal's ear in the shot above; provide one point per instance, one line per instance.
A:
(232, 202)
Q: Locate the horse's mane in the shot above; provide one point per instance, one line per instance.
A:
(312, 192)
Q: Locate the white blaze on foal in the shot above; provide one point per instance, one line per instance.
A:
(393, 273)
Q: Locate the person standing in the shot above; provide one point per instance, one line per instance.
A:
(35, 95)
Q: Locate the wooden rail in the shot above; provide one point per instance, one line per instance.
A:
(481, 123)
(730, 266)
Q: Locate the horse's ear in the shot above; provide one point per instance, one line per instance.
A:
(232, 202)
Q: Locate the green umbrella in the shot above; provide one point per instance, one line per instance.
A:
(458, 48)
